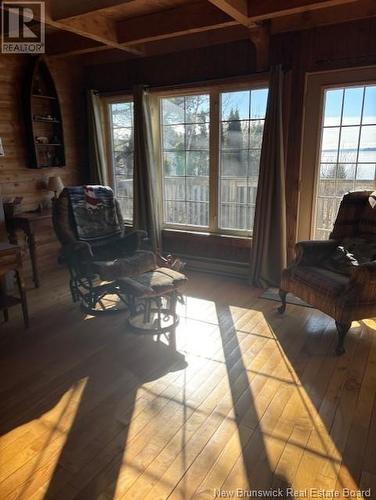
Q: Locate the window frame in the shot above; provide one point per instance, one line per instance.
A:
(315, 86)
(214, 91)
(107, 101)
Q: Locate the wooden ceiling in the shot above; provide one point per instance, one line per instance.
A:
(140, 28)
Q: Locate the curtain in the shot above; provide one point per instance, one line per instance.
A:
(97, 158)
(268, 254)
(147, 174)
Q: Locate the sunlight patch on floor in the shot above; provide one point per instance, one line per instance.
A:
(58, 420)
(198, 309)
(298, 446)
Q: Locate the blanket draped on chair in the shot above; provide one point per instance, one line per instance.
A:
(94, 212)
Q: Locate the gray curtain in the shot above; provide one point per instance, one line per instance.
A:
(97, 157)
(147, 175)
(269, 253)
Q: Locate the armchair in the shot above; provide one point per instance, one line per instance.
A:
(338, 276)
(96, 245)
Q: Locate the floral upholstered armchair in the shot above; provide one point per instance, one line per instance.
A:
(338, 276)
(96, 245)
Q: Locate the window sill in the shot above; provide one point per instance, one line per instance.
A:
(224, 237)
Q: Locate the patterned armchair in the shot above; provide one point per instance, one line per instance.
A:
(96, 245)
(338, 276)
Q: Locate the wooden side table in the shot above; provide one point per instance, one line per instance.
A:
(30, 223)
(10, 260)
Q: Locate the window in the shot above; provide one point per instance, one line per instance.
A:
(242, 125)
(338, 147)
(348, 150)
(185, 151)
(211, 145)
(121, 128)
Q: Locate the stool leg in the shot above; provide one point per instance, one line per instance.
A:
(23, 299)
(132, 305)
(172, 339)
(159, 307)
(147, 310)
(282, 307)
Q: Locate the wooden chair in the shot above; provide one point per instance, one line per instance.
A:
(10, 260)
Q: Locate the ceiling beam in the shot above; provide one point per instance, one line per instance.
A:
(64, 10)
(260, 37)
(183, 43)
(261, 10)
(188, 19)
(358, 10)
(237, 9)
(61, 44)
(99, 28)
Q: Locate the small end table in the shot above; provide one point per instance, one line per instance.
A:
(10, 260)
(30, 223)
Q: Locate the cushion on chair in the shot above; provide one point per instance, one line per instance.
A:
(161, 280)
(177, 278)
(351, 253)
(320, 279)
(140, 262)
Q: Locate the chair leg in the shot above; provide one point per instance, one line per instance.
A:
(6, 315)
(342, 329)
(282, 307)
(73, 290)
(23, 299)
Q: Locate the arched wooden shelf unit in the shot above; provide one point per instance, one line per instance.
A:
(43, 118)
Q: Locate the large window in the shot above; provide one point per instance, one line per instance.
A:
(211, 145)
(242, 125)
(121, 128)
(185, 145)
(348, 150)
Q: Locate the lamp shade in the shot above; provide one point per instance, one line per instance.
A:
(55, 184)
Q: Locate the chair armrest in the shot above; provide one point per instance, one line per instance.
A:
(79, 250)
(78, 257)
(312, 252)
(363, 282)
(137, 235)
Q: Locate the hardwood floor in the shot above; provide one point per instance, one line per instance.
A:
(252, 400)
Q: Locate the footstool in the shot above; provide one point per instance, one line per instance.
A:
(152, 298)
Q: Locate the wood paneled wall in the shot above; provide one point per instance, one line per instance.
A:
(330, 47)
(219, 61)
(15, 178)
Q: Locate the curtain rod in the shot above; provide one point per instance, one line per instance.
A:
(200, 83)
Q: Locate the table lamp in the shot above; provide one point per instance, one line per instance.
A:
(55, 184)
